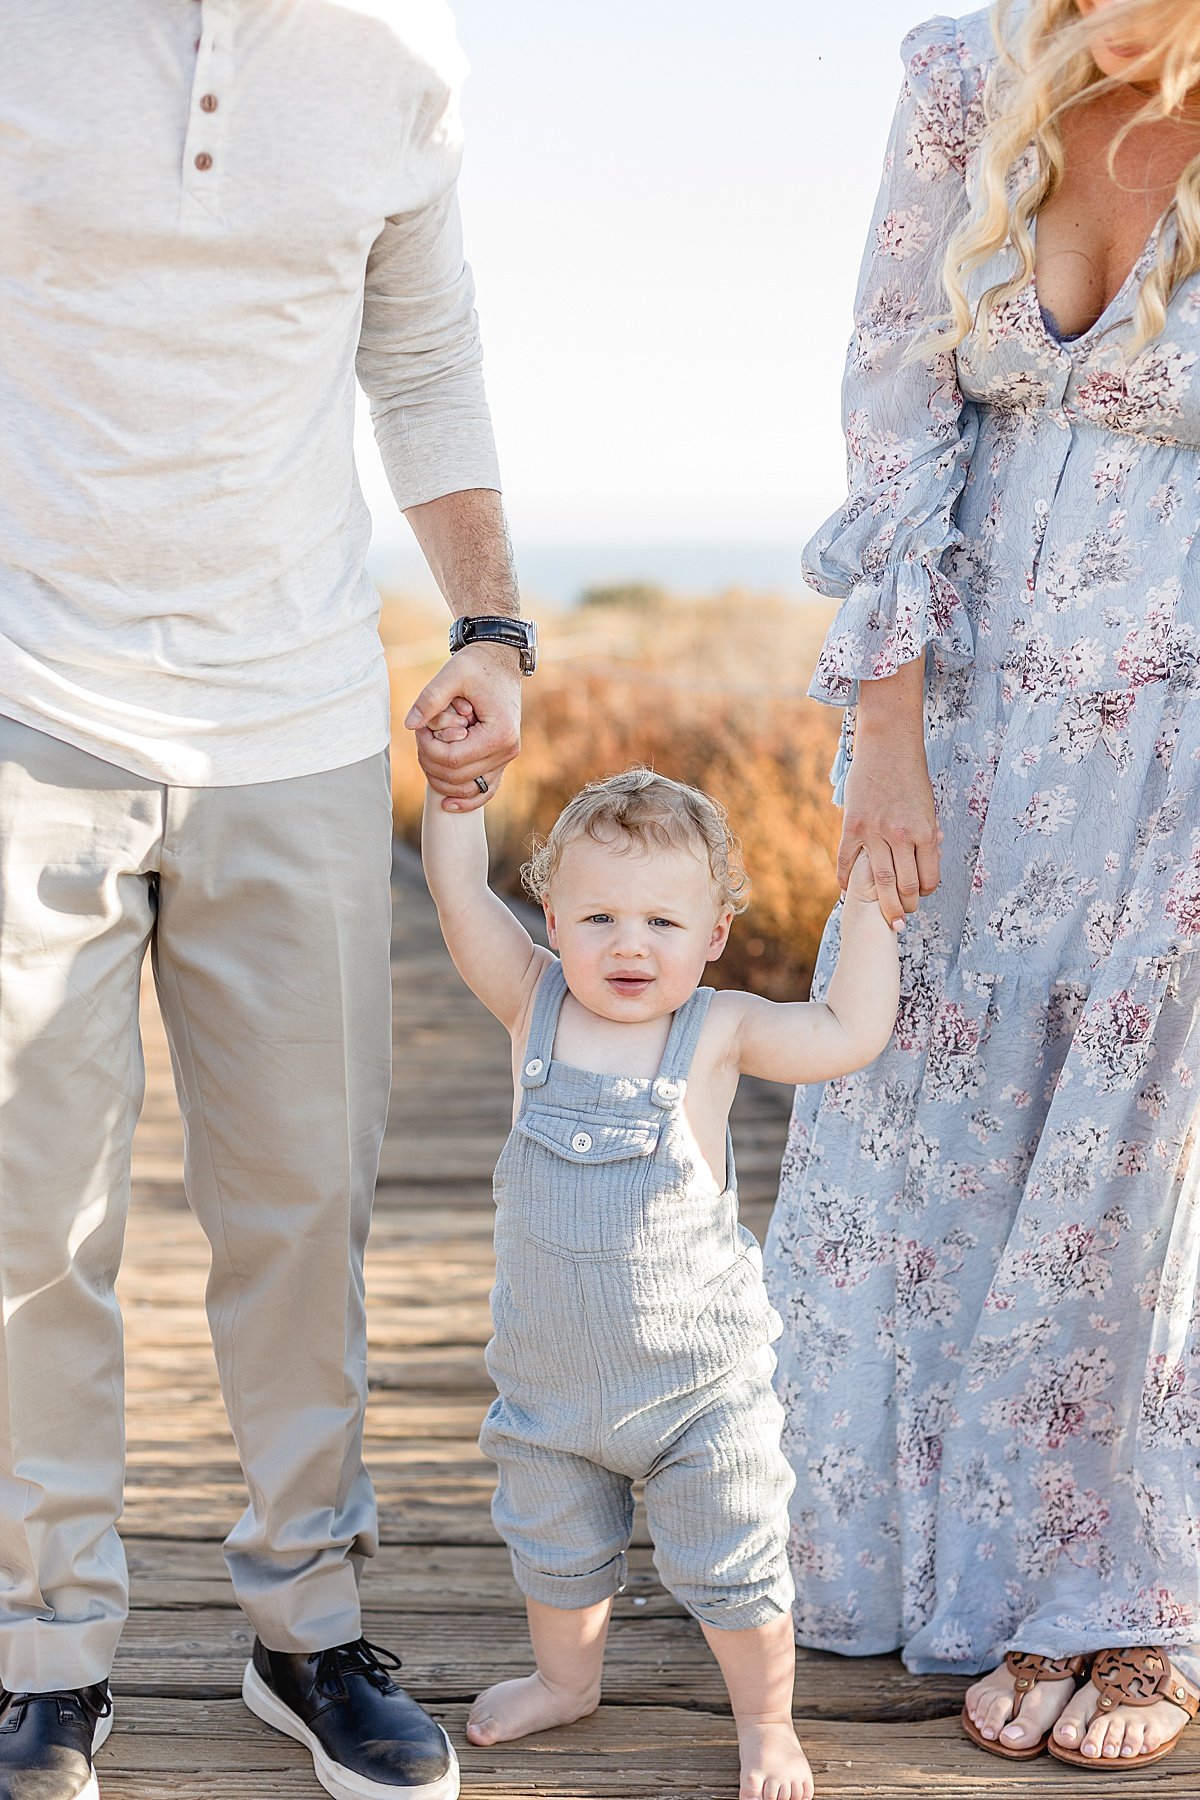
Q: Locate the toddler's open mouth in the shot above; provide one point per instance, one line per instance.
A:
(630, 985)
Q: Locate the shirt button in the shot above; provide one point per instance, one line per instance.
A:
(204, 161)
(534, 1066)
(581, 1143)
(209, 103)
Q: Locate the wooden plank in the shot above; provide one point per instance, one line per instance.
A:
(171, 1419)
(467, 1581)
(652, 1658)
(455, 1322)
(621, 1753)
(431, 1369)
(427, 1504)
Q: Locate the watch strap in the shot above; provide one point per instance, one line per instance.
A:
(519, 634)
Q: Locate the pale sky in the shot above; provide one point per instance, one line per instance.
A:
(665, 202)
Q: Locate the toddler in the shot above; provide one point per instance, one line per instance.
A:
(632, 1332)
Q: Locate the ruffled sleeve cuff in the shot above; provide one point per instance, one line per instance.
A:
(886, 620)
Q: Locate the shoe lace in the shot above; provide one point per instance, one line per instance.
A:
(82, 1698)
(359, 1658)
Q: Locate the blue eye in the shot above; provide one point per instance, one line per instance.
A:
(662, 921)
(598, 919)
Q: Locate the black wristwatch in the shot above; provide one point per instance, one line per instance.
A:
(520, 633)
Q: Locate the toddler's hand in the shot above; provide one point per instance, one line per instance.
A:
(450, 727)
(861, 885)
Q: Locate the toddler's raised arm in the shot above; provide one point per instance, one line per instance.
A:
(492, 950)
(815, 1040)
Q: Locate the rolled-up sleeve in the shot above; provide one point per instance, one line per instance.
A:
(909, 436)
(420, 360)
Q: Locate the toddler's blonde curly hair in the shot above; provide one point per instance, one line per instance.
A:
(648, 810)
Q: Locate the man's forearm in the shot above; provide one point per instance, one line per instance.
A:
(464, 539)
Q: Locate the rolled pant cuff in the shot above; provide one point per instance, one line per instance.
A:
(569, 1592)
(299, 1617)
(739, 1615)
(50, 1660)
(309, 1643)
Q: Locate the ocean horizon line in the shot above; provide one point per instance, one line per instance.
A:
(562, 572)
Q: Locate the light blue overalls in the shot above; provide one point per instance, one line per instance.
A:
(632, 1342)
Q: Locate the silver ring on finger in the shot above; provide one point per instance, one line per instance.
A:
(481, 784)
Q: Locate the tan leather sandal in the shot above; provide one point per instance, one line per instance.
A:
(1132, 1677)
(1026, 1670)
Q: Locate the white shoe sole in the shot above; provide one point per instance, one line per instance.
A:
(343, 1784)
(91, 1789)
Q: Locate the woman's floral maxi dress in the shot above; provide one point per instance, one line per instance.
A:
(986, 1243)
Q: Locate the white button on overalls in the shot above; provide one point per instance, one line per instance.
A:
(534, 1066)
(581, 1143)
(667, 1090)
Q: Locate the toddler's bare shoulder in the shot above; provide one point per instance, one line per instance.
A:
(727, 1014)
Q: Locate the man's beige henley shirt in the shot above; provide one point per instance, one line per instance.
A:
(210, 212)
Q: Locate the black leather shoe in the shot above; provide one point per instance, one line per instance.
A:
(369, 1740)
(47, 1742)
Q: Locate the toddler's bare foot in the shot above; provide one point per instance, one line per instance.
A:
(774, 1767)
(512, 1709)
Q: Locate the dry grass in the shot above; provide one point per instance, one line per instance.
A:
(710, 692)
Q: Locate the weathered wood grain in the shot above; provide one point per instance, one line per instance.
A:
(653, 1658)
(463, 1581)
(215, 1747)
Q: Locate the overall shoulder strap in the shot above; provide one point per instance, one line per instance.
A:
(686, 1027)
(547, 1004)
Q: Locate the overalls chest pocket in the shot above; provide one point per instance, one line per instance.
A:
(587, 1180)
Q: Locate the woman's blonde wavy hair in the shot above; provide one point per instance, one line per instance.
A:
(1045, 67)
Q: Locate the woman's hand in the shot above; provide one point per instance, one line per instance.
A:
(889, 811)
(890, 818)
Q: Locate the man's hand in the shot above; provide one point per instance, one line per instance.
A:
(482, 685)
(465, 541)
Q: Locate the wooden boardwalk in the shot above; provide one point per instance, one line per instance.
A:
(441, 1592)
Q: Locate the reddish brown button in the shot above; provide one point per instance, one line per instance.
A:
(208, 103)
(204, 161)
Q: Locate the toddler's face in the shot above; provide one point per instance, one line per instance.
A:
(634, 927)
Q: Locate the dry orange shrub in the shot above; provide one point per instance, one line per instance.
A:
(717, 700)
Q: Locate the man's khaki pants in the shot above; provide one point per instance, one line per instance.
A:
(266, 910)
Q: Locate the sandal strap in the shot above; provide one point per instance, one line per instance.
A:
(1027, 1669)
(1140, 1676)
